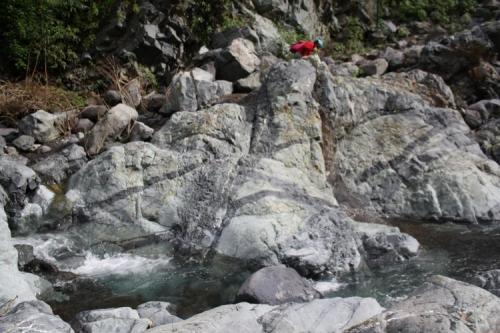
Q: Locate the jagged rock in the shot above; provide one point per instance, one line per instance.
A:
(40, 125)
(344, 69)
(83, 125)
(112, 98)
(276, 285)
(374, 67)
(428, 86)
(94, 112)
(487, 108)
(309, 16)
(58, 166)
(9, 133)
(408, 158)
(33, 316)
(261, 31)
(116, 120)
(453, 54)
(19, 181)
(237, 61)
(385, 245)
(110, 320)
(412, 55)
(394, 57)
(489, 280)
(141, 132)
(154, 102)
(440, 305)
(248, 84)
(24, 143)
(181, 94)
(208, 92)
(321, 316)
(158, 313)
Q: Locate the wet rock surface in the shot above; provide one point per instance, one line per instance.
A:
(276, 285)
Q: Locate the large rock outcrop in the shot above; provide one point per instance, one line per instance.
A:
(254, 173)
(392, 149)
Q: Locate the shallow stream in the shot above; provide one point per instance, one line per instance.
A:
(149, 273)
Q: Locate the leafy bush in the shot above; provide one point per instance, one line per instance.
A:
(206, 16)
(48, 34)
(440, 11)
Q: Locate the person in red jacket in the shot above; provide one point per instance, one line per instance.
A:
(306, 47)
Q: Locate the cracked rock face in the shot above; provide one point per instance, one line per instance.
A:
(245, 182)
(396, 152)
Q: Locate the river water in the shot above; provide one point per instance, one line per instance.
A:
(150, 273)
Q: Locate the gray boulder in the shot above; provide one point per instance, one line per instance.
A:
(181, 94)
(20, 183)
(111, 126)
(31, 317)
(119, 320)
(158, 313)
(276, 285)
(385, 245)
(237, 61)
(153, 102)
(140, 132)
(83, 125)
(440, 305)
(374, 67)
(24, 143)
(453, 54)
(58, 166)
(41, 125)
(248, 84)
(489, 280)
(94, 112)
(112, 98)
(321, 316)
(394, 57)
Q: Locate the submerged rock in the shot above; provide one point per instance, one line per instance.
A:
(489, 280)
(276, 285)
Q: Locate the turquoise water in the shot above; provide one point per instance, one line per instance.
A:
(141, 275)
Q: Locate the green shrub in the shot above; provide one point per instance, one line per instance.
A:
(206, 16)
(440, 11)
(289, 34)
(48, 34)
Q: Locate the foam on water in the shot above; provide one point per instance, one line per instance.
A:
(120, 264)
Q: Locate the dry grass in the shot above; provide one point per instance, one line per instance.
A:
(17, 99)
(117, 77)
